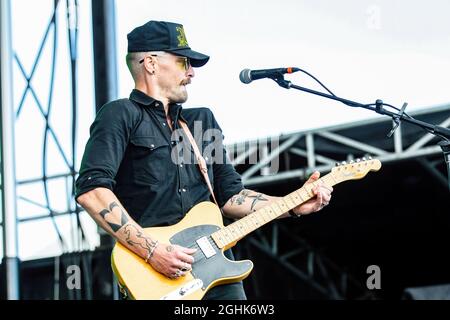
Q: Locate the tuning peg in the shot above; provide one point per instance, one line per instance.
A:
(358, 160)
(370, 158)
(343, 163)
(337, 164)
(352, 161)
(364, 159)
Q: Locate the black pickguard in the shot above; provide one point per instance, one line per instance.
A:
(212, 268)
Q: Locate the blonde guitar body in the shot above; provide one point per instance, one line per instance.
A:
(143, 282)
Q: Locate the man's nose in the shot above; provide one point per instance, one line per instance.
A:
(190, 72)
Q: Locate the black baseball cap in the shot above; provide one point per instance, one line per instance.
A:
(164, 36)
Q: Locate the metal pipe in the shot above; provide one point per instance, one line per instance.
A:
(8, 177)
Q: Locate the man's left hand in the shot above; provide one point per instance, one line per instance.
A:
(322, 197)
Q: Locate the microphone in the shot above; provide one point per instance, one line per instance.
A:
(246, 76)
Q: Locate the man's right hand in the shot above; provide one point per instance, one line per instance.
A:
(172, 261)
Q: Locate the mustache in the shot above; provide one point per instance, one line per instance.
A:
(185, 82)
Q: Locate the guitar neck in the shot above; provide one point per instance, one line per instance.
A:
(228, 236)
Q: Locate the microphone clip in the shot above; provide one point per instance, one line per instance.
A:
(279, 78)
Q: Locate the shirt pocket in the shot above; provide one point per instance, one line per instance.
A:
(151, 159)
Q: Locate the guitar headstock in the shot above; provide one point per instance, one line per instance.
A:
(355, 169)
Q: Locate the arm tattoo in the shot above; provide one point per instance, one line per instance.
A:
(258, 197)
(112, 220)
(240, 198)
(142, 240)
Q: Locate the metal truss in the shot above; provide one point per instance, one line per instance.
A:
(50, 39)
(321, 149)
(54, 146)
(272, 160)
(308, 265)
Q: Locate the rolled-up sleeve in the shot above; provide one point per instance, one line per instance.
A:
(109, 135)
(227, 182)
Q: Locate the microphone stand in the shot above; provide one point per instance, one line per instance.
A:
(439, 131)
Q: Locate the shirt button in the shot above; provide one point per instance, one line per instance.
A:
(184, 190)
(156, 104)
(164, 124)
(152, 146)
(181, 165)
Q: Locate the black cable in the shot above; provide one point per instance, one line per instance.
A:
(349, 104)
(373, 104)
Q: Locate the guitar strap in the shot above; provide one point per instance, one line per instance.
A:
(200, 160)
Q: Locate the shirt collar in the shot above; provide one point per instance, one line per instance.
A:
(175, 110)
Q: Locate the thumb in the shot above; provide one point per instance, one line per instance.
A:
(313, 177)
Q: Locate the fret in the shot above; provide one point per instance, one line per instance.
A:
(307, 192)
(299, 195)
(283, 205)
(257, 223)
(247, 225)
(331, 176)
(227, 235)
(251, 223)
(292, 203)
(233, 230)
(276, 208)
(268, 214)
(328, 180)
(238, 230)
(265, 215)
(219, 239)
(241, 227)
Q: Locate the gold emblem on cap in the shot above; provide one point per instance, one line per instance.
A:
(182, 41)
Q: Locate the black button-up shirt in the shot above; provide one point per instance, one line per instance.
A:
(150, 168)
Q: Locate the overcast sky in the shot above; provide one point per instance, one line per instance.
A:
(362, 50)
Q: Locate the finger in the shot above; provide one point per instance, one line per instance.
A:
(176, 274)
(327, 188)
(319, 203)
(188, 250)
(313, 177)
(185, 257)
(185, 267)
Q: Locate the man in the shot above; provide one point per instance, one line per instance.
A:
(131, 178)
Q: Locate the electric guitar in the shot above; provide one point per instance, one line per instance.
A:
(202, 228)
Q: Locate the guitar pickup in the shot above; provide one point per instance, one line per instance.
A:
(206, 247)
